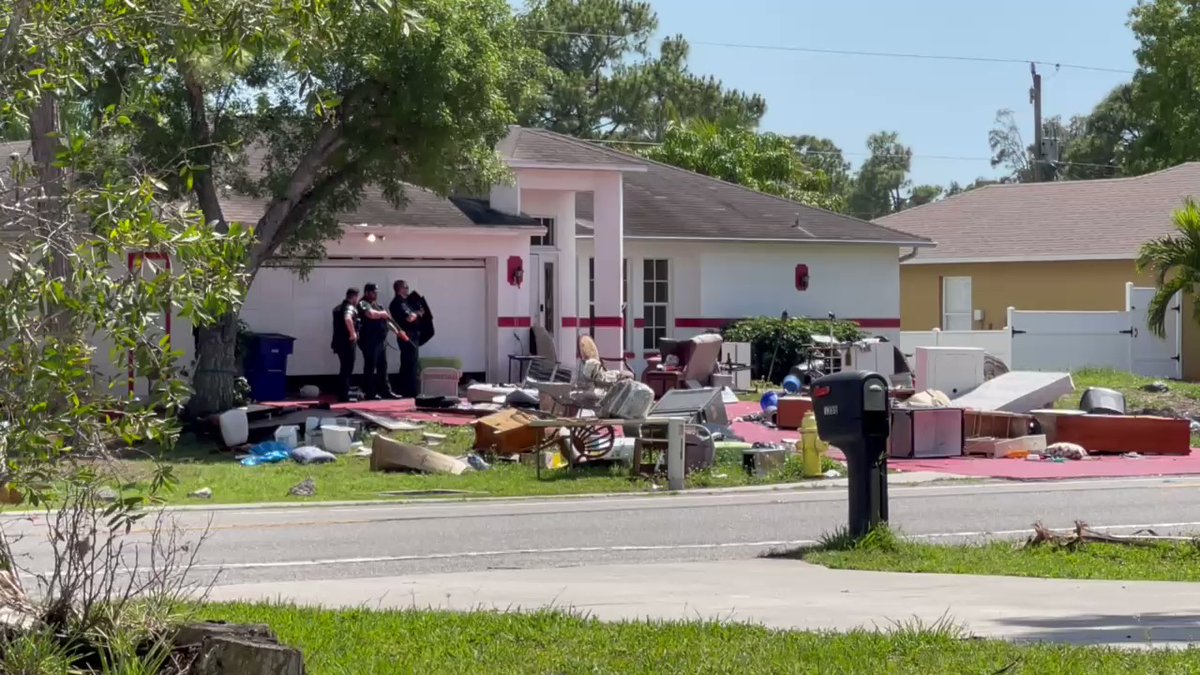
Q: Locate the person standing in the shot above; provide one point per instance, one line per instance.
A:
(407, 314)
(372, 341)
(345, 338)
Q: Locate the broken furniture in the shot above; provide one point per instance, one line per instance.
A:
(440, 381)
(986, 423)
(761, 461)
(1001, 448)
(697, 360)
(1101, 401)
(952, 370)
(1047, 421)
(521, 361)
(1119, 434)
(388, 454)
(507, 432)
(1017, 392)
(701, 410)
(919, 433)
(735, 363)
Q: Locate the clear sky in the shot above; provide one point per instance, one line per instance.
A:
(939, 108)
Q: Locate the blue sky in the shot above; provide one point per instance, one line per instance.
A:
(939, 108)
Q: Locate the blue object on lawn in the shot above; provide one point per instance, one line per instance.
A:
(791, 384)
(769, 400)
(267, 452)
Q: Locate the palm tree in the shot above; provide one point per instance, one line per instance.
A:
(1174, 259)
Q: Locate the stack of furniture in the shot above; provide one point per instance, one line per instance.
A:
(694, 364)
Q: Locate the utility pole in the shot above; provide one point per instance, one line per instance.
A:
(1035, 97)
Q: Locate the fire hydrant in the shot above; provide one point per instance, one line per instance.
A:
(812, 448)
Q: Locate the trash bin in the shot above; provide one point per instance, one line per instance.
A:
(265, 365)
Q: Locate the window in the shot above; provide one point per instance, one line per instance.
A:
(957, 310)
(656, 294)
(544, 239)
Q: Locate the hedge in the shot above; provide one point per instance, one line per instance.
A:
(792, 336)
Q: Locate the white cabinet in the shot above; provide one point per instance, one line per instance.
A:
(953, 371)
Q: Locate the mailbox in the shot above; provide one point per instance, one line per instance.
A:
(853, 413)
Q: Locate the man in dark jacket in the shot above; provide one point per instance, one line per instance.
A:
(345, 338)
(372, 340)
(408, 314)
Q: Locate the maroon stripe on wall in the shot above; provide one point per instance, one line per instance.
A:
(598, 322)
(721, 323)
(514, 322)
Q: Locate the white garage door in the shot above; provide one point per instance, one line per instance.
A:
(280, 302)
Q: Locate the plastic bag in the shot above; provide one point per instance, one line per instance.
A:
(267, 452)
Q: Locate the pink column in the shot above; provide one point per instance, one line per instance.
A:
(609, 242)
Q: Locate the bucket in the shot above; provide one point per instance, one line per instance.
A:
(311, 424)
(338, 439)
(769, 400)
(791, 384)
(235, 428)
(288, 435)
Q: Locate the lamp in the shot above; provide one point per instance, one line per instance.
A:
(516, 271)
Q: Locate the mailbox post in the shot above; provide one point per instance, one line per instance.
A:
(853, 414)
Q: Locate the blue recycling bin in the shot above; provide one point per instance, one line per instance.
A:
(266, 365)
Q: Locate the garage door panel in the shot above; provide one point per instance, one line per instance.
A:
(279, 301)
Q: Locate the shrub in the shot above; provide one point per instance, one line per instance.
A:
(793, 338)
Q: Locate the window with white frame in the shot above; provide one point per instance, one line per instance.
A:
(624, 294)
(545, 240)
(656, 300)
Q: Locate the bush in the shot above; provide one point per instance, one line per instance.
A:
(793, 338)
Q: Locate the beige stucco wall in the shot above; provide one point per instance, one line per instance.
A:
(1048, 286)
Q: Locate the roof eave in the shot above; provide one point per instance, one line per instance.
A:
(527, 164)
(1021, 258)
(776, 240)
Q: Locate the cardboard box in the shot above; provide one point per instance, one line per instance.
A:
(507, 433)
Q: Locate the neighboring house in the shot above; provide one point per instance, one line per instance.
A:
(1060, 246)
(586, 239)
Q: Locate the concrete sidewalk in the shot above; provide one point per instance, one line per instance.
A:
(786, 594)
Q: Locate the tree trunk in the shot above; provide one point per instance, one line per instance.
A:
(216, 367)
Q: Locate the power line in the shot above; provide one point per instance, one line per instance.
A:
(859, 52)
(953, 158)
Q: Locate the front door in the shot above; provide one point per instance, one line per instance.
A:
(543, 293)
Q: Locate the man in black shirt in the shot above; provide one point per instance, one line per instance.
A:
(372, 340)
(345, 336)
(407, 314)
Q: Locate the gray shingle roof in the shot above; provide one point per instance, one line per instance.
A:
(423, 209)
(541, 147)
(1070, 220)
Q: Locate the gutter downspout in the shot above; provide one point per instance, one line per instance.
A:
(910, 255)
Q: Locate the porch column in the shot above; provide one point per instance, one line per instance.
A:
(566, 279)
(609, 243)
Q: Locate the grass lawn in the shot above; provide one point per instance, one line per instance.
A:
(1183, 398)
(883, 551)
(367, 642)
(197, 466)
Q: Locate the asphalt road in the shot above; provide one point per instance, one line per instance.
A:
(298, 543)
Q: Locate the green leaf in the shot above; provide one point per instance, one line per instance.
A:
(187, 6)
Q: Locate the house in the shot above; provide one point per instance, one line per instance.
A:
(1052, 247)
(585, 238)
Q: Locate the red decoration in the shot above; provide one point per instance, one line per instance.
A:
(802, 277)
(516, 271)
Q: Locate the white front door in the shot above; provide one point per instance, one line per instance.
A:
(957, 308)
(1154, 356)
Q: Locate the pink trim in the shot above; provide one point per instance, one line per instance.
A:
(514, 322)
(598, 322)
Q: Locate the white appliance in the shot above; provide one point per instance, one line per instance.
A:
(953, 371)
(875, 356)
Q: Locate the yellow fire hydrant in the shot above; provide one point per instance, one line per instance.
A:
(812, 448)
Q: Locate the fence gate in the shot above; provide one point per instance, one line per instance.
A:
(1067, 341)
(1154, 356)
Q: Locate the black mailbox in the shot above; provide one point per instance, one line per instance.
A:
(854, 414)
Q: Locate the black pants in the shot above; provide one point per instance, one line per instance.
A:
(345, 354)
(375, 368)
(410, 355)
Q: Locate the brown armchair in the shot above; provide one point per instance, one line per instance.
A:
(698, 360)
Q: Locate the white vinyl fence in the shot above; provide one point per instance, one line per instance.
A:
(1069, 341)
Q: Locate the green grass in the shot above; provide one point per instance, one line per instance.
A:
(368, 642)
(1183, 397)
(883, 551)
(196, 465)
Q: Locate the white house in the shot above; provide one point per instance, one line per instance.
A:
(586, 239)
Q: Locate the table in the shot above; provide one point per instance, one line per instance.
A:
(522, 362)
(674, 442)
